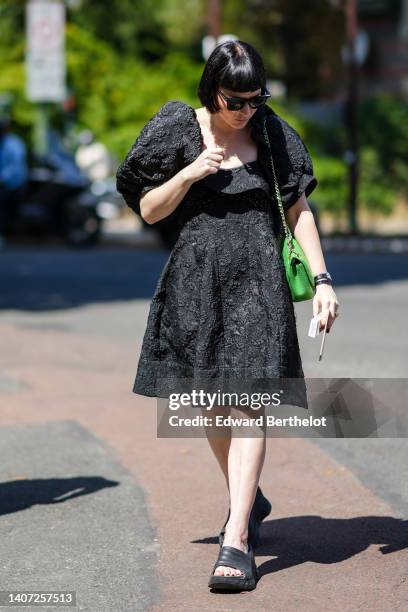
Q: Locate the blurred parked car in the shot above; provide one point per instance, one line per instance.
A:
(58, 199)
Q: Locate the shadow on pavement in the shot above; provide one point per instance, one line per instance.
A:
(296, 540)
(18, 495)
(300, 539)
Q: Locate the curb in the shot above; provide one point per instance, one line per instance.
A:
(330, 244)
(365, 244)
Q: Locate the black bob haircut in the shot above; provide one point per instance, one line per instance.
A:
(235, 65)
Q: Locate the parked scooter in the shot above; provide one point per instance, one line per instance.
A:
(59, 200)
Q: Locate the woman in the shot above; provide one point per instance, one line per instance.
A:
(222, 307)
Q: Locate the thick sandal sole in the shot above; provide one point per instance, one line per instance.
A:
(235, 583)
(231, 583)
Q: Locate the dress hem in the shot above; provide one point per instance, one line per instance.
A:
(239, 379)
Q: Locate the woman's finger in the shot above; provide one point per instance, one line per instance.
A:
(331, 317)
(325, 309)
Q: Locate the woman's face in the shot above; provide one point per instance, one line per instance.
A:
(239, 118)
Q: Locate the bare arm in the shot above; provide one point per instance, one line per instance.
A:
(302, 225)
(158, 203)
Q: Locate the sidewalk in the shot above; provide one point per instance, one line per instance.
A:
(142, 534)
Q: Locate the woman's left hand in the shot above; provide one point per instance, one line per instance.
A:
(325, 300)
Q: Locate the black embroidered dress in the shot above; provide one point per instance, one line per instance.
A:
(222, 307)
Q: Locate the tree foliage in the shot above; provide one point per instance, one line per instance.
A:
(126, 58)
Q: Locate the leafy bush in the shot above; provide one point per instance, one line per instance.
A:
(376, 192)
(117, 93)
(383, 168)
(331, 192)
(383, 126)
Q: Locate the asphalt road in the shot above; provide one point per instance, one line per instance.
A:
(72, 322)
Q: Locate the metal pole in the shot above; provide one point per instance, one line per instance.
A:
(214, 18)
(41, 127)
(351, 111)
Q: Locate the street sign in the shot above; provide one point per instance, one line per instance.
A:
(45, 51)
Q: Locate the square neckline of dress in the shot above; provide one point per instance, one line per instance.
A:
(233, 168)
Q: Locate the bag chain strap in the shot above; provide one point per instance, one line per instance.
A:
(288, 233)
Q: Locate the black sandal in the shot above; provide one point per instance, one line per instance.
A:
(229, 556)
(260, 510)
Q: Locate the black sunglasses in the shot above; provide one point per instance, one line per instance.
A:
(236, 103)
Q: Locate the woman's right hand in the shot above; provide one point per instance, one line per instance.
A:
(208, 162)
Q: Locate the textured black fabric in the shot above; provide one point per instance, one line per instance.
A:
(222, 307)
(172, 139)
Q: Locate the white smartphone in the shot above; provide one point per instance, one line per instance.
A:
(314, 327)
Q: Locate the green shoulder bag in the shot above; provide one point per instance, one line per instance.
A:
(298, 273)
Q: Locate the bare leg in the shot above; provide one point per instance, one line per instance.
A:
(219, 444)
(245, 461)
(221, 449)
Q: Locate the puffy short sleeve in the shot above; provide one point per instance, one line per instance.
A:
(153, 158)
(293, 164)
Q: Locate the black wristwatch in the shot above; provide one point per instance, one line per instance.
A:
(323, 278)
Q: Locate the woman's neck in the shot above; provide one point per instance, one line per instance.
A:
(223, 133)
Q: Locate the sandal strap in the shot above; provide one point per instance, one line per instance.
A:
(230, 556)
